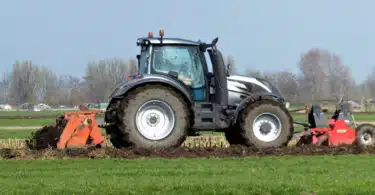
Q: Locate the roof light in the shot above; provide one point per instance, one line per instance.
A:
(150, 35)
(161, 33)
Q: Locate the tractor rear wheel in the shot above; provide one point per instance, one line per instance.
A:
(153, 117)
(365, 134)
(266, 123)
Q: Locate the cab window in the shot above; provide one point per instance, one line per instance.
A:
(185, 60)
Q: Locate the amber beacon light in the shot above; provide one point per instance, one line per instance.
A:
(161, 33)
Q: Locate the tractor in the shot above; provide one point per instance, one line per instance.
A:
(174, 95)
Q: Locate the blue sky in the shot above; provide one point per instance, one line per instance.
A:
(262, 35)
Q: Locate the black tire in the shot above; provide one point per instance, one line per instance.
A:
(116, 137)
(233, 135)
(250, 113)
(130, 134)
(365, 135)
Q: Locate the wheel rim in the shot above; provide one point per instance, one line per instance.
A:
(267, 127)
(366, 138)
(155, 119)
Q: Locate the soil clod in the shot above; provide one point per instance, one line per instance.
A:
(46, 137)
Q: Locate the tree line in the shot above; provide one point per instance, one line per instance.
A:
(30, 83)
(322, 76)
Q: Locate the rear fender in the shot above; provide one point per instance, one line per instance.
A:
(253, 98)
(121, 90)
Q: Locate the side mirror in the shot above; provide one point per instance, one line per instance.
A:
(214, 41)
(138, 56)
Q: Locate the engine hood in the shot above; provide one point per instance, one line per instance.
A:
(247, 85)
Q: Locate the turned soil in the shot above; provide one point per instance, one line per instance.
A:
(41, 141)
(232, 151)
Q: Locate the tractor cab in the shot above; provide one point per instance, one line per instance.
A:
(184, 60)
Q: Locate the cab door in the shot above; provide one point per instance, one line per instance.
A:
(184, 60)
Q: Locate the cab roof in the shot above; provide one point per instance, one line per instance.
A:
(170, 41)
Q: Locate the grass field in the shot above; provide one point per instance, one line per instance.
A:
(269, 175)
(12, 134)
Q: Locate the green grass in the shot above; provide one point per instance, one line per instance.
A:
(28, 113)
(20, 134)
(27, 122)
(15, 134)
(271, 175)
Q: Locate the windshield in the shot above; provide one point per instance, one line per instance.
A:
(184, 60)
(142, 61)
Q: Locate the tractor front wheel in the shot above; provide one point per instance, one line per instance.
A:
(266, 123)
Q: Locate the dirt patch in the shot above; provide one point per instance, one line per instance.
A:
(46, 137)
(232, 151)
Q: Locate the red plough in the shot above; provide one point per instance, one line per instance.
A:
(337, 130)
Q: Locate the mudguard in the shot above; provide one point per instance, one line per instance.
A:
(255, 97)
(138, 80)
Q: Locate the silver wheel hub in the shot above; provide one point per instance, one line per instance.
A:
(366, 138)
(155, 119)
(267, 127)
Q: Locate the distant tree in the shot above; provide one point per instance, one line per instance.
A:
(103, 75)
(51, 91)
(287, 83)
(4, 87)
(26, 81)
(325, 75)
(340, 79)
(313, 73)
(369, 84)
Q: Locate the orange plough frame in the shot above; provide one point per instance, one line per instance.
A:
(81, 130)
